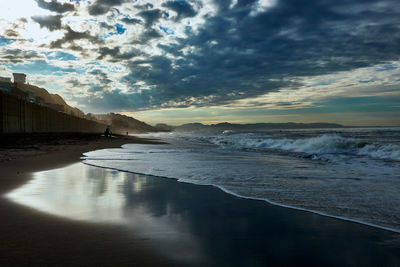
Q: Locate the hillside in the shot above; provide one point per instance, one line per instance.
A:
(122, 124)
(119, 123)
(55, 101)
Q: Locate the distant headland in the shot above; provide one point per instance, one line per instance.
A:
(225, 126)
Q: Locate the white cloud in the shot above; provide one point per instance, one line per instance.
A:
(341, 84)
(260, 6)
(13, 10)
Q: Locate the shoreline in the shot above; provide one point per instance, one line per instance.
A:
(375, 226)
(29, 237)
(18, 161)
(36, 238)
(269, 202)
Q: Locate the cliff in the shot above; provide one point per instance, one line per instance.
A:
(54, 101)
(122, 124)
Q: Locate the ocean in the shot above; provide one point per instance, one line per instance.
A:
(347, 173)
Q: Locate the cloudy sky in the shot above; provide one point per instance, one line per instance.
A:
(211, 60)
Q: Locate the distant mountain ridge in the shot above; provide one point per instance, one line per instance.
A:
(254, 126)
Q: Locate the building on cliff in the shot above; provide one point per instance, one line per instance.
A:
(35, 94)
(19, 78)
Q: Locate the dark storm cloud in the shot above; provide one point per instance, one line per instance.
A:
(101, 7)
(50, 22)
(23, 20)
(76, 83)
(70, 36)
(131, 21)
(151, 16)
(115, 54)
(101, 76)
(55, 6)
(11, 33)
(13, 56)
(145, 6)
(114, 100)
(240, 53)
(105, 51)
(182, 8)
(146, 36)
(106, 26)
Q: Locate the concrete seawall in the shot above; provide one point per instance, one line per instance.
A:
(20, 116)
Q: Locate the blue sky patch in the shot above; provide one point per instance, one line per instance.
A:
(166, 30)
(360, 104)
(6, 41)
(120, 28)
(59, 55)
(387, 67)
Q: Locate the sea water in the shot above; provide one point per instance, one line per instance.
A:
(349, 173)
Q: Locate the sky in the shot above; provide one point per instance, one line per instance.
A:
(211, 61)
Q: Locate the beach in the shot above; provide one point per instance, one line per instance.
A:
(31, 238)
(160, 222)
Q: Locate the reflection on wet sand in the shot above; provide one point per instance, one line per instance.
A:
(201, 225)
(98, 195)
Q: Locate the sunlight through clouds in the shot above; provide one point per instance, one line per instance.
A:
(260, 6)
(147, 55)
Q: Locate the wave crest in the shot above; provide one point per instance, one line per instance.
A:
(319, 145)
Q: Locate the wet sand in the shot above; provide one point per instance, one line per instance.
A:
(31, 238)
(163, 222)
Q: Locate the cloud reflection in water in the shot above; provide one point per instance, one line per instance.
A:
(91, 194)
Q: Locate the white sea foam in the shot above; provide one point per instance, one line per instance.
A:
(357, 184)
(319, 145)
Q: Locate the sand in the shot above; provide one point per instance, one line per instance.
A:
(30, 238)
(221, 229)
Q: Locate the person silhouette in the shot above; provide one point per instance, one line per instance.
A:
(107, 132)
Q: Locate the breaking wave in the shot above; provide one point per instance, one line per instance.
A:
(335, 173)
(319, 145)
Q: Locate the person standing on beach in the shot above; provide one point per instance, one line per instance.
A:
(107, 132)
